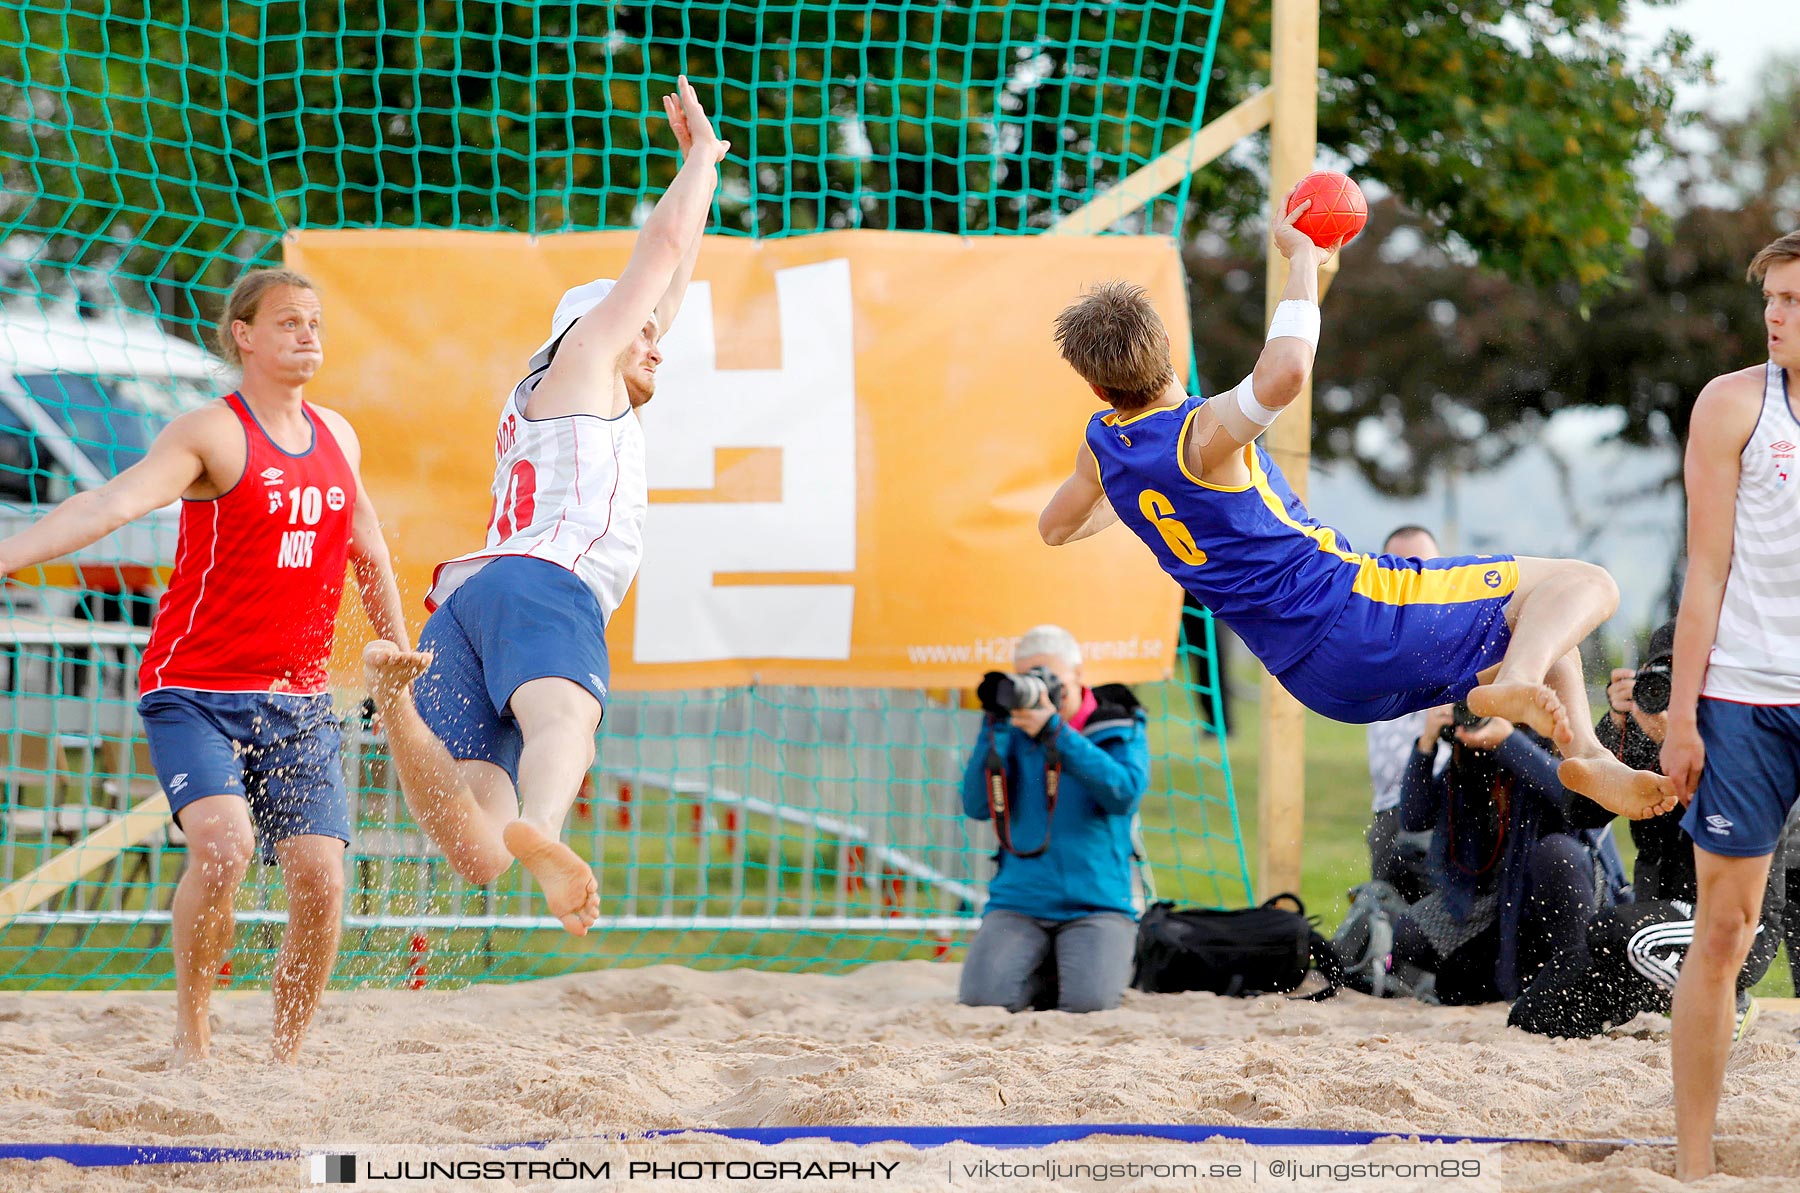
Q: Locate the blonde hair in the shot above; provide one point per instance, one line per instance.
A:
(1787, 248)
(1114, 338)
(245, 299)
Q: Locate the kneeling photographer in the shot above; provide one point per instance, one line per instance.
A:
(1059, 769)
(1632, 953)
(1519, 864)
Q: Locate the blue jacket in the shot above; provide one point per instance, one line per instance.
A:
(1105, 768)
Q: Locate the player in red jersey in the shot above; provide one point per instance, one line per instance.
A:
(234, 704)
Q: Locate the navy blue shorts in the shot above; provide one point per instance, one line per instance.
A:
(1436, 625)
(516, 620)
(281, 752)
(1750, 780)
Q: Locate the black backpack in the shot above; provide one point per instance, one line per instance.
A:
(1255, 950)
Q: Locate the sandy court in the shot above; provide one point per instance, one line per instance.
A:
(633, 1049)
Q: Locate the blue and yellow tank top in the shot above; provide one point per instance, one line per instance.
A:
(1252, 554)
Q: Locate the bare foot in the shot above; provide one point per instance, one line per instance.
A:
(1694, 1172)
(1634, 794)
(1530, 704)
(189, 1050)
(567, 881)
(389, 669)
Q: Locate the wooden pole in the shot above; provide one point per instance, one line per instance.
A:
(1154, 177)
(84, 857)
(1293, 142)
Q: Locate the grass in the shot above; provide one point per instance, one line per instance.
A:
(658, 867)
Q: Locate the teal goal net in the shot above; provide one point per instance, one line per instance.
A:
(152, 151)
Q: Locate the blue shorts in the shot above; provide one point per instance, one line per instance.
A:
(1442, 622)
(281, 752)
(516, 620)
(1750, 780)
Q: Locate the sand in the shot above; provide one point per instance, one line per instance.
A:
(403, 1076)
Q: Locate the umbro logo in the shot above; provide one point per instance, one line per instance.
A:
(271, 476)
(1781, 446)
(177, 783)
(1717, 824)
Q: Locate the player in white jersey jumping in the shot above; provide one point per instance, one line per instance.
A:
(1733, 745)
(493, 740)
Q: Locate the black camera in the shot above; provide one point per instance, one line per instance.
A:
(1651, 689)
(1460, 718)
(1001, 693)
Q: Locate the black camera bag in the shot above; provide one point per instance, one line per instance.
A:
(1254, 950)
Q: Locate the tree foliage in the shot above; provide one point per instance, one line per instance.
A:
(1512, 126)
(1456, 365)
(142, 141)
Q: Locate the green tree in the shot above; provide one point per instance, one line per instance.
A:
(145, 145)
(1459, 364)
(1513, 127)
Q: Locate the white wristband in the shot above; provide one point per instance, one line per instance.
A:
(1297, 318)
(1247, 405)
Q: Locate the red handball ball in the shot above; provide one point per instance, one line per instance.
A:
(1338, 210)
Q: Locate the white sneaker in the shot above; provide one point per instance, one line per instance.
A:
(1746, 1015)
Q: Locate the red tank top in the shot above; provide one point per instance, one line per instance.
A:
(259, 571)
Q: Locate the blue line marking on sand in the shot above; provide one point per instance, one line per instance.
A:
(110, 1155)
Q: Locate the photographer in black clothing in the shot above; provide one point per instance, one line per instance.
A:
(1517, 858)
(1633, 952)
(1631, 957)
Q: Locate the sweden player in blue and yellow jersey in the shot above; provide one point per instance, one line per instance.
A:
(1355, 637)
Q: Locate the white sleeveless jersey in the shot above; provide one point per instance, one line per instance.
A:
(571, 490)
(1756, 655)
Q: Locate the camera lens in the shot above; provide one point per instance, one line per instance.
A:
(1651, 690)
(1463, 718)
(1020, 691)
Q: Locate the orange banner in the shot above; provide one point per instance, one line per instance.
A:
(852, 436)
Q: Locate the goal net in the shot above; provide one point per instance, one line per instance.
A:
(152, 151)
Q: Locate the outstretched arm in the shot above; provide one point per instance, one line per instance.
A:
(168, 470)
(670, 303)
(1079, 507)
(1240, 415)
(1287, 360)
(1722, 422)
(588, 356)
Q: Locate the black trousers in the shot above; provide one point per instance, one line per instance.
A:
(1558, 903)
(1790, 925)
(1632, 956)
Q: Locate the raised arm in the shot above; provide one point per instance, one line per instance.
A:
(1722, 421)
(1239, 415)
(1079, 507)
(580, 377)
(670, 303)
(171, 466)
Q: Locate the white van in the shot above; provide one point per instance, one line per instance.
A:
(80, 401)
